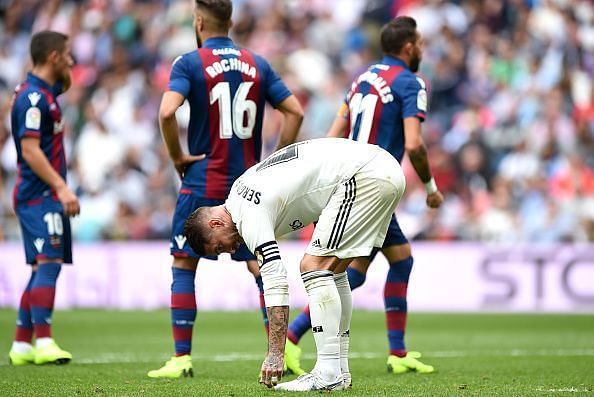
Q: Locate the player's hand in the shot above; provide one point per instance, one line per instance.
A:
(272, 369)
(185, 161)
(434, 200)
(69, 201)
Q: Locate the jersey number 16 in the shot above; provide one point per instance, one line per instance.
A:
(237, 116)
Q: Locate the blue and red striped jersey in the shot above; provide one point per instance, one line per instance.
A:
(227, 88)
(378, 102)
(36, 113)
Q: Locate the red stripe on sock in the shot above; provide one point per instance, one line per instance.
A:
(42, 297)
(42, 330)
(183, 301)
(398, 353)
(182, 333)
(396, 321)
(24, 334)
(25, 301)
(395, 290)
(291, 336)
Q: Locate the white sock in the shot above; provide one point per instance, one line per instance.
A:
(346, 302)
(21, 347)
(324, 310)
(40, 343)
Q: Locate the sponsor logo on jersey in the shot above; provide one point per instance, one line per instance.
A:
(34, 98)
(38, 243)
(180, 240)
(33, 118)
(296, 224)
(317, 329)
(55, 241)
(316, 243)
(58, 127)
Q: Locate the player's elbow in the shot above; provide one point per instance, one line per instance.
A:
(167, 113)
(414, 147)
(291, 107)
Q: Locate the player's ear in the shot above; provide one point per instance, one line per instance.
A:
(409, 48)
(199, 23)
(214, 223)
(53, 56)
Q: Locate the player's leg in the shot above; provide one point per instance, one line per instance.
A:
(324, 299)
(356, 272)
(22, 352)
(183, 315)
(346, 304)
(395, 292)
(43, 292)
(47, 239)
(183, 293)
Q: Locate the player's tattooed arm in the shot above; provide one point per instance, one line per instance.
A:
(420, 161)
(272, 367)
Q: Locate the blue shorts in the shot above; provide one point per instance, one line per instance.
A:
(394, 236)
(46, 231)
(186, 204)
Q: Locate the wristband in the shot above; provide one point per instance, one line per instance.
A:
(431, 186)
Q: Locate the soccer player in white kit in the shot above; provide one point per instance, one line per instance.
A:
(351, 189)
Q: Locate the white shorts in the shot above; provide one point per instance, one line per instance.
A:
(357, 216)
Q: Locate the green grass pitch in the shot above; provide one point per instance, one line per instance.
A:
(474, 354)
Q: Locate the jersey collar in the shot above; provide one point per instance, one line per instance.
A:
(393, 61)
(34, 80)
(221, 41)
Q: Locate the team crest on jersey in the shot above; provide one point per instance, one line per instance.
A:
(34, 98)
(180, 240)
(422, 100)
(33, 118)
(38, 243)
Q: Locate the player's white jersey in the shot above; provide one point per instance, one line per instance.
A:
(289, 189)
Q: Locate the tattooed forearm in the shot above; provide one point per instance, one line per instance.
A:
(418, 158)
(278, 319)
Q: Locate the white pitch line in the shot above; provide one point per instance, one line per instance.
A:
(113, 357)
(565, 390)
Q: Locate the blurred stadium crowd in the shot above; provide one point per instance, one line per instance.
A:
(510, 128)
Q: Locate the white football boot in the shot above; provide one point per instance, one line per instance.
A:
(310, 382)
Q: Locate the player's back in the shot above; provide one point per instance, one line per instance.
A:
(379, 100)
(227, 88)
(297, 181)
(36, 113)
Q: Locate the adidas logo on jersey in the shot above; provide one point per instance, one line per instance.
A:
(180, 240)
(38, 242)
(316, 243)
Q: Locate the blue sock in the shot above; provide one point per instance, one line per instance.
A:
(356, 278)
(41, 298)
(183, 309)
(395, 304)
(24, 329)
